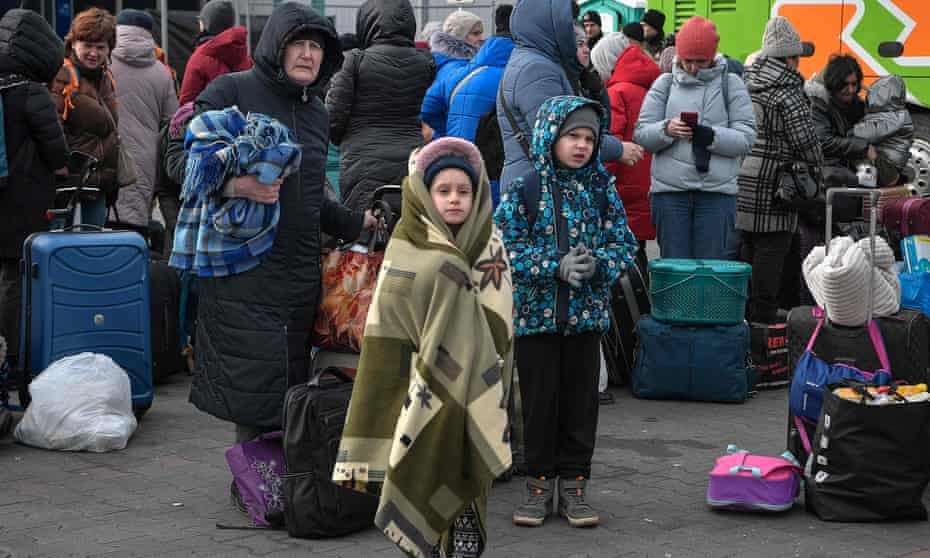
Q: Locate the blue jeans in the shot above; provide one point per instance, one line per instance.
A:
(93, 212)
(694, 225)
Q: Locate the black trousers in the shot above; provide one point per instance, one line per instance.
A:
(767, 253)
(811, 235)
(558, 386)
(11, 299)
(170, 207)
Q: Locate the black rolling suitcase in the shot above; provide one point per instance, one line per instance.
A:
(165, 309)
(906, 337)
(630, 300)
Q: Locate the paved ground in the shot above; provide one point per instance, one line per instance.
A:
(164, 494)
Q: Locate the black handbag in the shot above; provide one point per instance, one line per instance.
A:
(796, 185)
(869, 462)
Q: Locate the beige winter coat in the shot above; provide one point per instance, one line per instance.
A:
(146, 96)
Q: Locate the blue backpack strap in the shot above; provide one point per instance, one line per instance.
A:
(531, 188)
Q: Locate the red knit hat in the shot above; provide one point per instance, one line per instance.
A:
(697, 39)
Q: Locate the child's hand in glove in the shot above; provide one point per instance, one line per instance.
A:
(577, 266)
(570, 268)
(588, 265)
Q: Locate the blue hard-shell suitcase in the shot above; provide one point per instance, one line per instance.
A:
(697, 363)
(88, 291)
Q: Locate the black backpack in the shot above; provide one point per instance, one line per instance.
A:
(316, 507)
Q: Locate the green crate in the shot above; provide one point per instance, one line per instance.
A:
(698, 291)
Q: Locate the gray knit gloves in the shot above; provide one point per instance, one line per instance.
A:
(577, 265)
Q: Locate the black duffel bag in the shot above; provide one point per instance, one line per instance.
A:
(869, 462)
(315, 507)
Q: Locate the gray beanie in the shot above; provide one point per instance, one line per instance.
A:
(218, 16)
(582, 117)
(460, 23)
(605, 53)
(781, 39)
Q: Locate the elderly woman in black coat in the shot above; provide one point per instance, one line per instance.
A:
(253, 328)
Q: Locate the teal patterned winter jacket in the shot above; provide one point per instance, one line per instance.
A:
(542, 302)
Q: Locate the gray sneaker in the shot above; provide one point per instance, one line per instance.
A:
(572, 505)
(537, 502)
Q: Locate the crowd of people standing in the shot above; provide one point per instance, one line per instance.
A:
(536, 164)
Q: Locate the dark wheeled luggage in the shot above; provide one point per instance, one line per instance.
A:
(165, 308)
(630, 300)
(88, 291)
(316, 507)
(905, 217)
(906, 337)
(889, 195)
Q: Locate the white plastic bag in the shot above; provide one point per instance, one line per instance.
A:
(79, 403)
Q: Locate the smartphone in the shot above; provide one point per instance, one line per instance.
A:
(689, 118)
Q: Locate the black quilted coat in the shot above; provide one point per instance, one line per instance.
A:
(374, 101)
(253, 328)
(30, 52)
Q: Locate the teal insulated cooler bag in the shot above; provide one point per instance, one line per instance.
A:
(698, 291)
(694, 363)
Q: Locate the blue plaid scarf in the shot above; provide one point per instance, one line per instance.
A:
(217, 236)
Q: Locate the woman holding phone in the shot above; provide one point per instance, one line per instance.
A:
(698, 122)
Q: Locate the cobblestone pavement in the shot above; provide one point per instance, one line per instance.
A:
(164, 494)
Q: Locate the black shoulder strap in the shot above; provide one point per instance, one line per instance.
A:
(517, 130)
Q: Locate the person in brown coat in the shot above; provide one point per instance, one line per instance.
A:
(84, 93)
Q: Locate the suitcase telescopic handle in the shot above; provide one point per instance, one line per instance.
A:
(82, 226)
(331, 371)
(874, 195)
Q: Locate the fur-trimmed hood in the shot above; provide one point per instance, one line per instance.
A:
(450, 46)
(418, 205)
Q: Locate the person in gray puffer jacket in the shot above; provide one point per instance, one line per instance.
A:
(695, 166)
(888, 126)
(543, 64)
